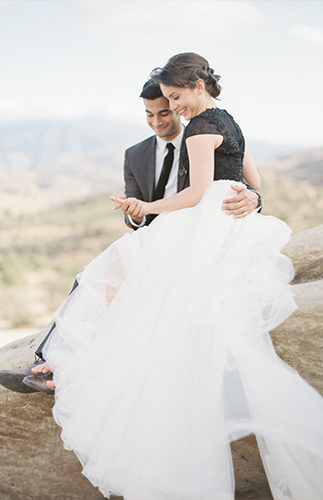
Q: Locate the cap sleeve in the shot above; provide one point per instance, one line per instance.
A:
(199, 125)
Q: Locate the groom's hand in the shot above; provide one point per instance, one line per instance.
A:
(242, 204)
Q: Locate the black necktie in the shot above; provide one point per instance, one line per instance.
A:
(164, 176)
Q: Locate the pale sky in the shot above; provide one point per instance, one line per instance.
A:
(68, 59)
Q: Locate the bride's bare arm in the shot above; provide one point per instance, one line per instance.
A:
(200, 150)
(250, 172)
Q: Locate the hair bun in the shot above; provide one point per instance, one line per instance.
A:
(184, 70)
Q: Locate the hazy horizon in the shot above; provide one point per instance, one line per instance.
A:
(73, 59)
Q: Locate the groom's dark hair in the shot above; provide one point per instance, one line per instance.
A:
(151, 90)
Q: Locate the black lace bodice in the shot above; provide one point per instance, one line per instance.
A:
(229, 156)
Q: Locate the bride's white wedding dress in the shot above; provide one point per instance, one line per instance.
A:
(162, 357)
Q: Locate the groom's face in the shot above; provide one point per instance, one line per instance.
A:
(164, 122)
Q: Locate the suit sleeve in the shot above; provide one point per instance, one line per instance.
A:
(132, 189)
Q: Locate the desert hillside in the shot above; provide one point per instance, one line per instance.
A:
(41, 253)
(292, 187)
(54, 219)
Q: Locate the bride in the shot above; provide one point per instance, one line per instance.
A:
(162, 357)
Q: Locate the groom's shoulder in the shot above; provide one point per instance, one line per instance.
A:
(141, 146)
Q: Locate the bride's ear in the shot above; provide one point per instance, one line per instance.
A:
(200, 86)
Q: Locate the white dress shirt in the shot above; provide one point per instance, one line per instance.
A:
(161, 152)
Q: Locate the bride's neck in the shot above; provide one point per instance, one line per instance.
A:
(206, 104)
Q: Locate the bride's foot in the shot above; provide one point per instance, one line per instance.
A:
(41, 369)
(41, 379)
(51, 385)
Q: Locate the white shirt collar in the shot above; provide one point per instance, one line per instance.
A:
(161, 143)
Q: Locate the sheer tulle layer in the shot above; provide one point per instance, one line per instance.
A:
(162, 357)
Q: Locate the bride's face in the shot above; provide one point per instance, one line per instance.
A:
(186, 101)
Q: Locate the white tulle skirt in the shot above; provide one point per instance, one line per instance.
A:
(162, 356)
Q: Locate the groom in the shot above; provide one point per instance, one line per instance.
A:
(152, 170)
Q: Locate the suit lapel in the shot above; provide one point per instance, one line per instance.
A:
(183, 175)
(148, 167)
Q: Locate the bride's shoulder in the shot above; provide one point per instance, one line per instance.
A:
(206, 122)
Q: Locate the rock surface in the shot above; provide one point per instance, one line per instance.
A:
(34, 464)
(305, 249)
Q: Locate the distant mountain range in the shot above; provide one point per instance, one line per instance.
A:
(305, 166)
(27, 143)
(46, 163)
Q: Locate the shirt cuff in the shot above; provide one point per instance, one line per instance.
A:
(135, 224)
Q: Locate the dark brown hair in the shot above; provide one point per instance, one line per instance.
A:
(151, 90)
(184, 70)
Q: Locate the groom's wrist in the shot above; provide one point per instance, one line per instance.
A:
(260, 202)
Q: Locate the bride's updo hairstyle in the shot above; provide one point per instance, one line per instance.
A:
(184, 70)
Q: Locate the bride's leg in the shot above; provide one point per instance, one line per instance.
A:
(115, 275)
(110, 293)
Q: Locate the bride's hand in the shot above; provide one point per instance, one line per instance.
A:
(118, 200)
(135, 208)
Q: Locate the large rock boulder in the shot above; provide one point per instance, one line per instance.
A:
(34, 464)
(299, 340)
(305, 249)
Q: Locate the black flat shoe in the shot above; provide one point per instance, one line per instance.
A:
(38, 383)
(13, 379)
